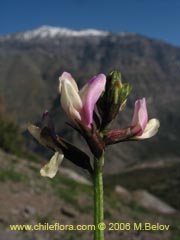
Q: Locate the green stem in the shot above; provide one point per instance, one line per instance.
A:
(98, 197)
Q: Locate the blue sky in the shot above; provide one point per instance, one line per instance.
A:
(158, 19)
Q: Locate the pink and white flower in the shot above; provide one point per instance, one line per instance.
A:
(79, 105)
(141, 127)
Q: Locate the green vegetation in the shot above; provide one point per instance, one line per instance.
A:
(137, 208)
(12, 141)
(11, 175)
(71, 196)
(43, 219)
(10, 138)
(176, 237)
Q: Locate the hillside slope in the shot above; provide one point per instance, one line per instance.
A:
(27, 198)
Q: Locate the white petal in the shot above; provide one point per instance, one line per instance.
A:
(150, 130)
(51, 168)
(68, 77)
(35, 132)
(73, 113)
(70, 99)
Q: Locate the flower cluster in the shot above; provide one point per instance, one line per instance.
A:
(91, 111)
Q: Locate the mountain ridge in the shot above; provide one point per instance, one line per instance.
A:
(52, 32)
(48, 31)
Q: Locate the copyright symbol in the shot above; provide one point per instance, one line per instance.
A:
(101, 226)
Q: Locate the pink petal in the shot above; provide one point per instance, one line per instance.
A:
(89, 94)
(140, 116)
(143, 115)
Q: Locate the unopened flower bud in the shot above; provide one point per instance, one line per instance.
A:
(114, 97)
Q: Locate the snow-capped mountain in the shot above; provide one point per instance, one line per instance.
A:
(52, 32)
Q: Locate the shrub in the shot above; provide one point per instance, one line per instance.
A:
(10, 138)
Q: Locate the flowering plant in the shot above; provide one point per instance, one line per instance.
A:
(91, 111)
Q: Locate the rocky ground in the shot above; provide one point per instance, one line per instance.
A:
(27, 198)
